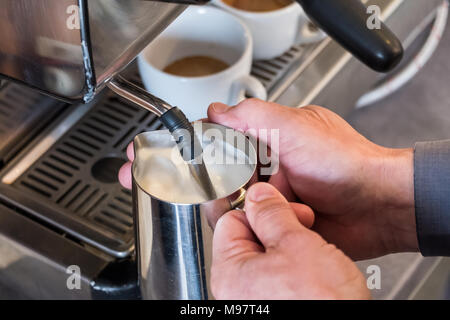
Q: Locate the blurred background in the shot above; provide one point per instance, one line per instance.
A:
(420, 111)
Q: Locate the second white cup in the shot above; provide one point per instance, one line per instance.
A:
(201, 31)
(275, 32)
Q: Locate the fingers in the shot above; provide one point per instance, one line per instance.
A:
(304, 214)
(233, 237)
(125, 171)
(125, 175)
(251, 114)
(280, 181)
(130, 152)
(270, 216)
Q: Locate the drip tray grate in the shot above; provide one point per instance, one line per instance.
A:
(273, 72)
(74, 184)
(22, 113)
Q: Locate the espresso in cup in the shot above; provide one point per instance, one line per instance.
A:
(204, 56)
(196, 66)
(258, 5)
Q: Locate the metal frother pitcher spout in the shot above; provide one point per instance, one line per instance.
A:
(177, 123)
(172, 213)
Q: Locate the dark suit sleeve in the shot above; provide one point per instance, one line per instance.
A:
(432, 196)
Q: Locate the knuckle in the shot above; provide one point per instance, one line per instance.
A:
(250, 102)
(321, 116)
(228, 218)
(312, 112)
(290, 239)
(225, 218)
(314, 108)
(235, 214)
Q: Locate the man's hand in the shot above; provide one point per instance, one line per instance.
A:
(362, 193)
(266, 253)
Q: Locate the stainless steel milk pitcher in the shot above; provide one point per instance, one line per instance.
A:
(171, 211)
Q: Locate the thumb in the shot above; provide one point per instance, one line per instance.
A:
(233, 237)
(270, 215)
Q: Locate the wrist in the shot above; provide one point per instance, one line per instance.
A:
(397, 200)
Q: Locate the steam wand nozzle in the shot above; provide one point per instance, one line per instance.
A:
(176, 122)
(172, 117)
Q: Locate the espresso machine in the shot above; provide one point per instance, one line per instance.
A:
(88, 43)
(60, 201)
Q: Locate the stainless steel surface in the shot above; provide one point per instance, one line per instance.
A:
(67, 176)
(331, 77)
(23, 113)
(276, 73)
(435, 285)
(201, 176)
(71, 48)
(170, 225)
(170, 250)
(139, 96)
(34, 260)
(31, 156)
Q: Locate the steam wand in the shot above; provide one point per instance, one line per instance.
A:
(177, 123)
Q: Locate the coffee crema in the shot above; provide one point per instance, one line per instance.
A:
(196, 66)
(258, 5)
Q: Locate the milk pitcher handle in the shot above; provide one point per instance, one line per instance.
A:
(240, 200)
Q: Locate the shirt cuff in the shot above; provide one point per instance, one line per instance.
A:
(432, 197)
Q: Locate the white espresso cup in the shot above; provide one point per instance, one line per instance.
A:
(275, 32)
(201, 31)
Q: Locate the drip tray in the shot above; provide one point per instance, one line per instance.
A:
(73, 185)
(22, 113)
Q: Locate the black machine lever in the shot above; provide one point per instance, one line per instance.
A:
(346, 22)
